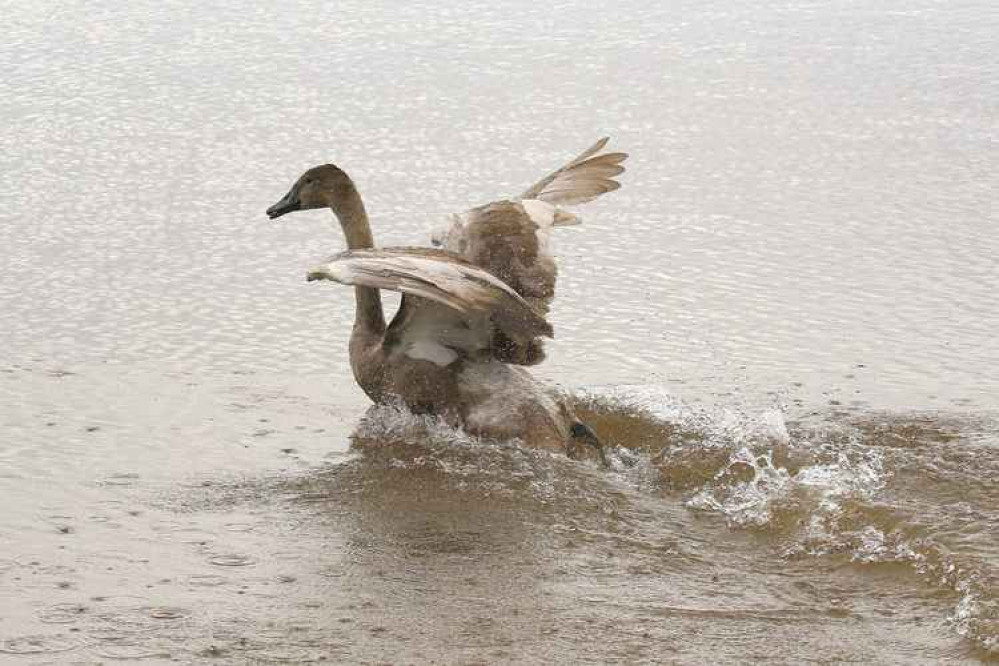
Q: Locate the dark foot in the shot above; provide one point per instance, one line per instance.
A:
(580, 432)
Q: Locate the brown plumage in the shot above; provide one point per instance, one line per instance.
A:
(471, 311)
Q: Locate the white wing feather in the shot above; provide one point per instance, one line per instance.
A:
(440, 277)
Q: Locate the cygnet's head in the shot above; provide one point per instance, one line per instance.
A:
(319, 187)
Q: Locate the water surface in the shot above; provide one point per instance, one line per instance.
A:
(785, 320)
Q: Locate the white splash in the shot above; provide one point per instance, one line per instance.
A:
(749, 502)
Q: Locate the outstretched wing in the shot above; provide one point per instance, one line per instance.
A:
(459, 307)
(509, 239)
(583, 179)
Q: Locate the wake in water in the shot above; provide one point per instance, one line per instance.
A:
(858, 490)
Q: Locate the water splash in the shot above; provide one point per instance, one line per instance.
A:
(820, 491)
(745, 502)
(825, 490)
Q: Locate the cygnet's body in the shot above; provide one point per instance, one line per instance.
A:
(473, 309)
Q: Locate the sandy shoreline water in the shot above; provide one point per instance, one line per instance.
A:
(785, 318)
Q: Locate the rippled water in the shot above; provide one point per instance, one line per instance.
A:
(784, 322)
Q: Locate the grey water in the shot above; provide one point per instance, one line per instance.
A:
(784, 322)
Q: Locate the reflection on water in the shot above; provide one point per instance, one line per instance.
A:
(784, 322)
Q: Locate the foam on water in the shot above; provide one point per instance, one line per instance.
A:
(407, 441)
(821, 491)
(745, 502)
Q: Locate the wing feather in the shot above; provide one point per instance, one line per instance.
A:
(509, 238)
(441, 277)
(583, 179)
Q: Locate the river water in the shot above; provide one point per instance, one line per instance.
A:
(784, 322)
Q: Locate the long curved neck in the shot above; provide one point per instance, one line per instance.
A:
(349, 209)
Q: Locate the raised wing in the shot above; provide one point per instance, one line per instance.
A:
(583, 179)
(509, 239)
(477, 304)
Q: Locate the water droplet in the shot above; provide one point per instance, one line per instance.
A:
(131, 653)
(160, 613)
(206, 580)
(127, 479)
(290, 655)
(232, 560)
(39, 644)
(61, 613)
(238, 527)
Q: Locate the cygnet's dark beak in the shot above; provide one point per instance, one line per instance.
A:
(288, 204)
